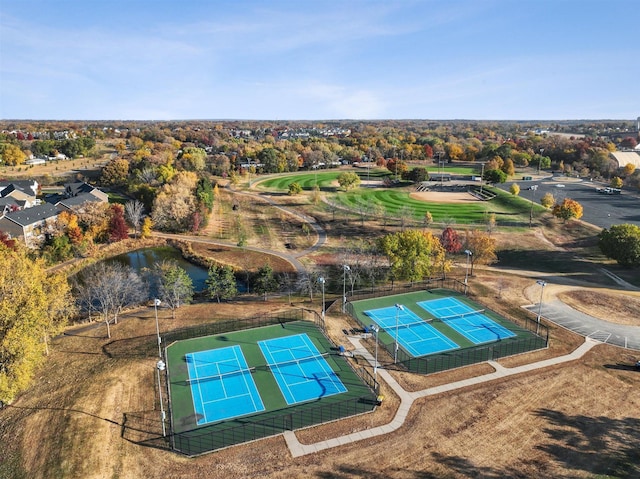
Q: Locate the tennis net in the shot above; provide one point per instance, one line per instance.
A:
(307, 359)
(462, 315)
(221, 376)
(392, 327)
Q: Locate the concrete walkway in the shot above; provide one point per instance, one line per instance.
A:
(407, 398)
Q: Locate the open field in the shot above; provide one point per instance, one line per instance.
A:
(92, 414)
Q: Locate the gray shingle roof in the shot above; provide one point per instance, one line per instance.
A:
(33, 215)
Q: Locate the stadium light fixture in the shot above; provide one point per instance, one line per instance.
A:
(399, 308)
(375, 329)
(156, 303)
(321, 280)
(345, 268)
(542, 284)
(160, 366)
(466, 274)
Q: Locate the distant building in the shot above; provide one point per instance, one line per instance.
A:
(625, 157)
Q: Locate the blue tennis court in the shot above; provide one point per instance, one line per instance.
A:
(415, 335)
(473, 325)
(221, 385)
(302, 373)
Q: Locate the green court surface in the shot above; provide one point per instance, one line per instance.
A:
(192, 439)
(469, 353)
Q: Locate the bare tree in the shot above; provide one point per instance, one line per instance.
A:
(308, 283)
(108, 288)
(404, 214)
(148, 175)
(134, 211)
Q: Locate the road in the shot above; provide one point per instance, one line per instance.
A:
(599, 209)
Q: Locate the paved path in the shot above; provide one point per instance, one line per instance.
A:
(407, 398)
(622, 335)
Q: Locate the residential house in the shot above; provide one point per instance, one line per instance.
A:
(9, 204)
(80, 187)
(24, 192)
(31, 224)
(76, 202)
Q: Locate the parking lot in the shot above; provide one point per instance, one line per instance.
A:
(610, 333)
(600, 209)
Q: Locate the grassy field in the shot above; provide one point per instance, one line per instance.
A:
(93, 409)
(93, 414)
(508, 209)
(325, 180)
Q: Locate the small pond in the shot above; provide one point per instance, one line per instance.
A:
(148, 257)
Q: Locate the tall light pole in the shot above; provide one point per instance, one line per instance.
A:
(540, 159)
(399, 308)
(375, 329)
(160, 367)
(156, 303)
(534, 188)
(466, 274)
(345, 268)
(481, 177)
(321, 280)
(542, 284)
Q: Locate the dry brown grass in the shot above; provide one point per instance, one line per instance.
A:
(94, 402)
(613, 307)
(92, 410)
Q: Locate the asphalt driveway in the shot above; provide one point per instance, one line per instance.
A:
(603, 331)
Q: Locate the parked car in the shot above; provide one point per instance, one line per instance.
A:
(637, 365)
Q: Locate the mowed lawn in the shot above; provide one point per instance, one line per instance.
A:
(507, 208)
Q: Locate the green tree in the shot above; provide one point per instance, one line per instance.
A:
(265, 281)
(622, 243)
(294, 188)
(416, 175)
(204, 193)
(494, 176)
(193, 158)
(221, 283)
(348, 180)
(175, 287)
(33, 307)
(413, 254)
(567, 210)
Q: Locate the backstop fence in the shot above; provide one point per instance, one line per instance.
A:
(224, 324)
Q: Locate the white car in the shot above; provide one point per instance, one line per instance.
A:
(560, 186)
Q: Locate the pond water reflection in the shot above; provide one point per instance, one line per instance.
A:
(148, 257)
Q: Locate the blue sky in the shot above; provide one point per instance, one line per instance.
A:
(307, 59)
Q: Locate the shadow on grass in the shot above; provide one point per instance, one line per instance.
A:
(566, 263)
(141, 427)
(597, 445)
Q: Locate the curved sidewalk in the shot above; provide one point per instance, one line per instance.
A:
(407, 398)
